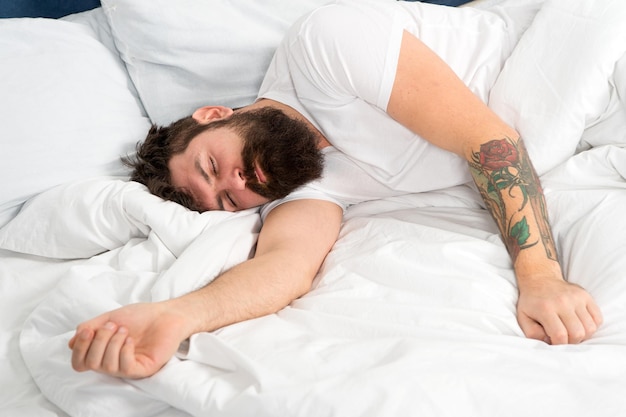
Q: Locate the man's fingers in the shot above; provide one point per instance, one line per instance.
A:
(91, 324)
(532, 329)
(95, 355)
(109, 349)
(575, 326)
(560, 329)
(572, 327)
(82, 341)
(127, 357)
(550, 330)
(590, 320)
(595, 313)
(111, 358)
(70, 344)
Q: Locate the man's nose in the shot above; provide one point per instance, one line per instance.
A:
(238, 180)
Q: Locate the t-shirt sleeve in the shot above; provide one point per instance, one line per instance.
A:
(303, 193)
(347, 50)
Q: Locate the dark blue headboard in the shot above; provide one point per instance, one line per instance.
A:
(44, 8)
(59, 8)
(445, 2)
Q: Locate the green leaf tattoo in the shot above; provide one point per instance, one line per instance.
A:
(520, 232)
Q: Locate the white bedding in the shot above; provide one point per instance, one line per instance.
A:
(413, 311)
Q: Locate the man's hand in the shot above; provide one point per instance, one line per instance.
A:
(134, 341)
(557, 312)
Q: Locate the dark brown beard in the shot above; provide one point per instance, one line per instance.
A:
(285, 149)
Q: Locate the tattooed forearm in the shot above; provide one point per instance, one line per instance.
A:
(512, 192)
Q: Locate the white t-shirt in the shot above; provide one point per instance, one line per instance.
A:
(337, 65)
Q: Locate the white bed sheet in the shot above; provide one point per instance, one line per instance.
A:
(22, 287)
(413, 313)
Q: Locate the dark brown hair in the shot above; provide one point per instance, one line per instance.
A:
(284, 148)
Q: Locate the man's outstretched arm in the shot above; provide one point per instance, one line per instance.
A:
(428, 98)
(135, 341)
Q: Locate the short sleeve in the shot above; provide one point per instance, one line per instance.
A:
(342, 51)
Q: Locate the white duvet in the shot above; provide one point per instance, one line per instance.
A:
(413, 311)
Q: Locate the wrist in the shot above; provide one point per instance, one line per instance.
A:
(531, 273)
(188, 317)
(532, 267)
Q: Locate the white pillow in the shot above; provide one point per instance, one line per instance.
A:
(66, 110)
(185, 54)
(557, 80)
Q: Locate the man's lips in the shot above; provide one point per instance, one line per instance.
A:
(259, 174)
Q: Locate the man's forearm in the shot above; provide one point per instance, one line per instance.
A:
(512, 192)
(253, 289)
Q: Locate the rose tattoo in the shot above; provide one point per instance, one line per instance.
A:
(497, 154)
(500, 167)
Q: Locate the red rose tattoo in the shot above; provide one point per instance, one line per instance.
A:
(497, 154)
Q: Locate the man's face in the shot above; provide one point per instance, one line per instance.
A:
(212, 171)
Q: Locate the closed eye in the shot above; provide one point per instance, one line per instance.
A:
(213, 165)
(200, 170)
(231, 201)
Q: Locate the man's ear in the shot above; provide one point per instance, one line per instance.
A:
(208, 114)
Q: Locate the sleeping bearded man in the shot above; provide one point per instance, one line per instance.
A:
(354, 107)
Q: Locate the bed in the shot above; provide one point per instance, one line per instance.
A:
(412, 312)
